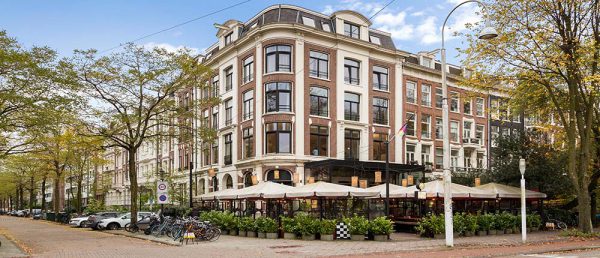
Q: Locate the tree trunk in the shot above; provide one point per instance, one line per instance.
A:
(133, 187)
(44, 193)
(79, 203)
(55, 202)
(31, 197)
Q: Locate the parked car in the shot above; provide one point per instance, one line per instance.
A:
(93, 219)
(120, 221)
(79, 221)
(22, 213)
(38, 215)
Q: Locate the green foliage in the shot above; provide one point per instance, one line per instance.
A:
(381, 226)
(471, 224)
(305, 225)
(94, 206)
(485, 222)
(546, 165)
(533, 220)
(459, 223)
(504, 221)
(247, 224)
(228, 220)
(431, 225)
(327, 226)
(288, 224)
(358, 225)
(266, 225)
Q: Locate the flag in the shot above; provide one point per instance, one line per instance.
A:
(402, 131)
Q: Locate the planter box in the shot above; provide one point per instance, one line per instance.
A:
(469, 233)
(357, 237)
(224, 232)
(516, 231)
(233, 232)
(327, 237)
(508, 231)
(251, 234)
(308, 237)
(492, 232)
(439, 236)
(242, 233)
(482, 233)
(500, 232)
(261, 235)
(381, 238)
(535, 229)
(289, 235)
(272, 235)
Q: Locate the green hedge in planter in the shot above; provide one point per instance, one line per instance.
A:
(503, 221)
(327, 226)
(533, 221)
(288, 224)
(471, 224)
(357, 225)
(247, 224)
(305, 225)
(228, 221)
(459, 224)
(380, 226)
(431, 225)
(268, 225)
(485, 222)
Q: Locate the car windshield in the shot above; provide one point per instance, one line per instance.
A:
(124, 215)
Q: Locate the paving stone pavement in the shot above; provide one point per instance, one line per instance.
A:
(46, 239)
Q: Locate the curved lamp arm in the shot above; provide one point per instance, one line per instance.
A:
(456, 7)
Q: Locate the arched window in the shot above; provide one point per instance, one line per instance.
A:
(215, 184)
(228, 181)
(284, 177)
(201, 189)
(248, 179)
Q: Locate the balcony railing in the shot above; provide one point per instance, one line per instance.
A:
(476, 141)
(351, 116)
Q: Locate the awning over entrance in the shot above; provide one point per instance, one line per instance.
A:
(366, 165)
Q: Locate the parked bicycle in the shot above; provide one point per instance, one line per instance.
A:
(555, 224)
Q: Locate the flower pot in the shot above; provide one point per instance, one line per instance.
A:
(242, 233)
(327, 237)
(535, 229)
(287, 235)
(482, 233)
(224, 232)
(439, 236)
(382, 238)
(500, 232)
(508, 231)
(251, 234)
(492, 232)
(272, 235)
(261, 235)
(233, 232)
(528, 230)
(308, 237)
(469, 233)
(357, 237)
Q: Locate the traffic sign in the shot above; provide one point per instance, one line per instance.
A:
(162, 192)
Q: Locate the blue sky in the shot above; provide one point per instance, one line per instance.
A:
(68, 25)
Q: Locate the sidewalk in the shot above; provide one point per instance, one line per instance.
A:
(9, 249)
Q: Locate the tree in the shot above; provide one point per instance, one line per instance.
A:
(28, 91)
(545, 165)
(548, 53)
(138, 94)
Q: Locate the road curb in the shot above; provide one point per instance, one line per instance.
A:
(117, 233)
(564, 249)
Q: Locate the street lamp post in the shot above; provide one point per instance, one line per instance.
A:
(523, 209)
(162, 206)
(487, 33)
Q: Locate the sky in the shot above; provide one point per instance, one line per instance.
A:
(102, 25)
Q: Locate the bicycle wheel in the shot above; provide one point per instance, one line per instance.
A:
(561, 225)
(213, 234)
(132, 228)
(155, 231)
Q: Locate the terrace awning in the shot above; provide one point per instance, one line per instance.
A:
(261, 190)
(506, 191)
(216, 195)
(324, 189)
(396, 191)
(436, 189)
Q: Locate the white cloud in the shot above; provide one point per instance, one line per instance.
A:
(366, 8)
(428, 31)
(169, 47)
(416, 14)
(395, 24)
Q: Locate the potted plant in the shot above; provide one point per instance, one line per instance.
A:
(228, 221)
(259, 225)
(471, 225)
(458, 221)
(484, 223)
(499, 224)
(431, 226)
(306, 226)
(327, 229)
(270, 228)
(533, 221)
(508, 222)
(358, 227)
(233, 231)
(250, 227)
(245, 226)
(381, 228)
(288, 225)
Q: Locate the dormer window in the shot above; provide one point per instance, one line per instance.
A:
(426, 61)
(326, 26)
(351, 30)
(308, 21)
(228, 38)
(375, 40)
